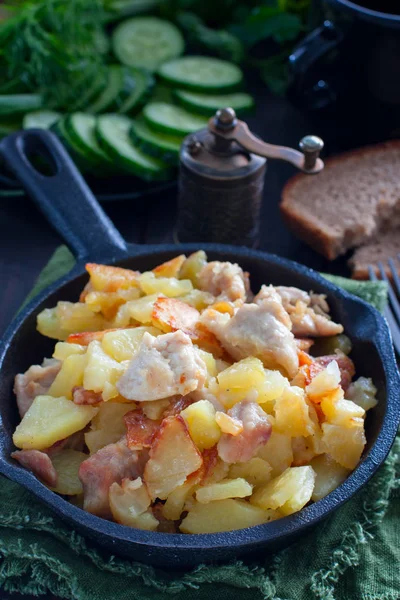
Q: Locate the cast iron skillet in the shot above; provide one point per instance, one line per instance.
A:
(68, 203)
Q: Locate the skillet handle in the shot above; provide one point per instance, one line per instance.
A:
(63, 196)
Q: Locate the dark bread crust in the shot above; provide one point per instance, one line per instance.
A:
(308, 232)
(361, 272)
(320, 239)
(379, 249)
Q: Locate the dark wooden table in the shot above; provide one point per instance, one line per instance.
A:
(27, 241)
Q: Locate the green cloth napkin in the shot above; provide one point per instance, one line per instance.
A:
(354, 554)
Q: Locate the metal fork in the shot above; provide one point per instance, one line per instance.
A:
(392, 310)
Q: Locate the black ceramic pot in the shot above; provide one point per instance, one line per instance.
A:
(346, 73)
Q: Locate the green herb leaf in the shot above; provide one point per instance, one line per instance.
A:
(268, 23)
(52, 46)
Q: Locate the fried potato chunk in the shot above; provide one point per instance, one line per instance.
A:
(289, 492)
(223, 515)
(129, 504)
(173, 457)
(104, 278)
(49, 420)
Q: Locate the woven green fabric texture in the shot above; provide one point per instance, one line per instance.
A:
(353, 555)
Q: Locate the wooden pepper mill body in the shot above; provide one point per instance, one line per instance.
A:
(221, 180)
(219, 194)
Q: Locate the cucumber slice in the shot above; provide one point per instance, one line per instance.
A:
(81, 130)
(206, 104)
(201, 73)
(12, 104)
(77, 155)
(41, 119)
(146, 42)
(160, 145)
(172, 119)
(113, 134)
(95, 88)
(110, 92)
(141, 92)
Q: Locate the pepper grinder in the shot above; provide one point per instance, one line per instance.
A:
(221, 180)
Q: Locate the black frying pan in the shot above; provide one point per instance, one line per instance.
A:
(69, 205)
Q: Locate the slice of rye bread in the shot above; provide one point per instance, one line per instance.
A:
(381, 247)
(341, 208)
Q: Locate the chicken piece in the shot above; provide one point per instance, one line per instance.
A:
(39, 463)
(164, 366)
(256, 433)
(304, 344)
(36, 381)
(225, 280)
(82, 396)
(261, 330)
(345, 364)
(309, 313)
(113, 463)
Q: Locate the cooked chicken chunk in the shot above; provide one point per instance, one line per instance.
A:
(256, 433)
(39, 463)
(36, 381)
(111, 464)
(163, 367)
(224, 279)
(309, 313)
(261, 330)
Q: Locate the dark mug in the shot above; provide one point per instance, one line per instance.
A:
(346, 73)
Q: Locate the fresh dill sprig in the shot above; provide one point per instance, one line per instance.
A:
(52, 46)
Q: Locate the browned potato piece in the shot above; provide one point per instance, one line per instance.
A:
(171, 268)
(173, 457)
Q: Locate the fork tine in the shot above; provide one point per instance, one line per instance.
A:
(393, 326)
(392, 296)
(395, 275)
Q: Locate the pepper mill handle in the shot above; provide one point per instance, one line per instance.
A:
(226, 126)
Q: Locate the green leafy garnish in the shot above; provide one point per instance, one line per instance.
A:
(53, 47)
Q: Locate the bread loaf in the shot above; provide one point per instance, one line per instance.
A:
(356, 195)
(380, 248)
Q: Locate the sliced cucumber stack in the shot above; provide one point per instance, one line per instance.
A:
(81, 128)
(208, 104)
(40, 119)
(146, 42)
(201, 74)
(140, 93)
(160, 145)
(113, 134)
(16, 104)
(172, 119)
